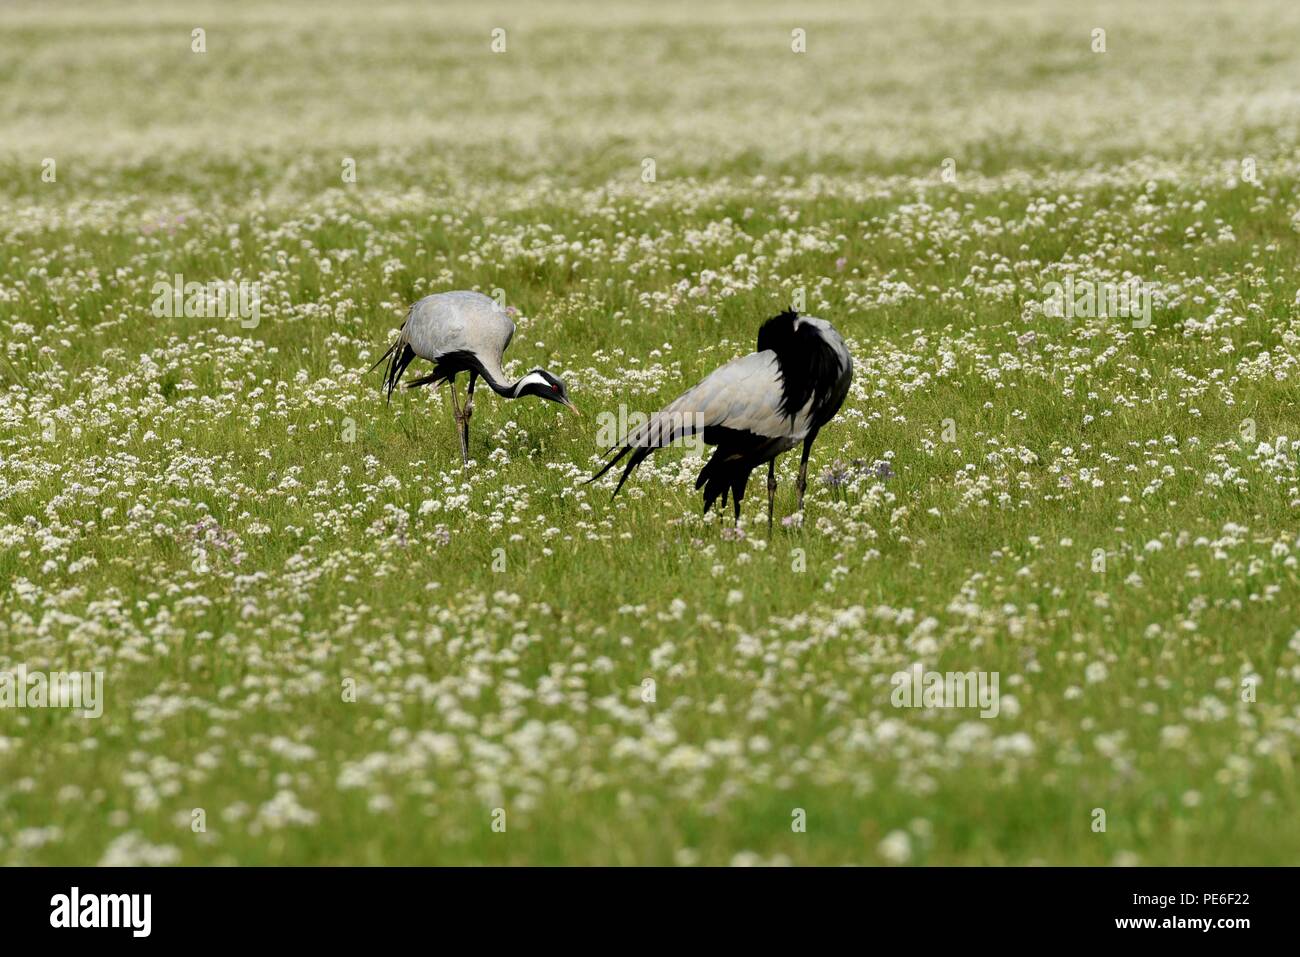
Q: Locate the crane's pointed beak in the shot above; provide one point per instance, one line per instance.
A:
(573, 408)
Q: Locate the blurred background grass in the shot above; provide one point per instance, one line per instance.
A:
(587, 88)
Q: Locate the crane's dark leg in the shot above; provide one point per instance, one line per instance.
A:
(771, 492)
(735, 501)
(803, 467)
(469, 410)
(460, 420)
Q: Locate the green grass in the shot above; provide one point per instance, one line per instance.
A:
(316, 627)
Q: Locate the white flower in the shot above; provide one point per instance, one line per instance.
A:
(896, 848)
(132, 850)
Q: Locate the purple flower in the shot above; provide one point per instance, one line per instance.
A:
(837, 476)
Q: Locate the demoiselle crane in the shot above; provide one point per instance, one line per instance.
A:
(753, 409)
(463, 332)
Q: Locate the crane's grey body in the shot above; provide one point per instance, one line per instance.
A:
(754, 408)
(745, 395)
(463, 332)
(440, 326)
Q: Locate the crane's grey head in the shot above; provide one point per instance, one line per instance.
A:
(542, 384)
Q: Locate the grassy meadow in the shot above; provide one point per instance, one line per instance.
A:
(323, 641)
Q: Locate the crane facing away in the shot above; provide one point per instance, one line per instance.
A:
(753, 409)
(463, 332)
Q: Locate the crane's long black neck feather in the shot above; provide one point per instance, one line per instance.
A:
(808, 365)
(450, 363)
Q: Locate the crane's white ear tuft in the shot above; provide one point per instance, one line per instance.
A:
(533, 378)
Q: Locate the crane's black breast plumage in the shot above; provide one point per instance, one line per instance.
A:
(809, 366)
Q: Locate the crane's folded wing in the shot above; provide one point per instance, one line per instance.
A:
(743, 396)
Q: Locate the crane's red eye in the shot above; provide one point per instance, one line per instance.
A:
(555, 388)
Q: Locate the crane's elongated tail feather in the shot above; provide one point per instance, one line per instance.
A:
(432, 378)
(399, 356)
(638, 456)
(610, 464)
(391, 350)
(659, 432)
